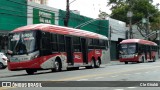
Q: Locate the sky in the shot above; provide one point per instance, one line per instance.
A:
(89, 8)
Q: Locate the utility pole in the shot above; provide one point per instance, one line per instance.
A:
(109, 35)
(66, 19)
(129, 15)
(147, 25)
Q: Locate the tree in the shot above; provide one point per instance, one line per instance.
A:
(140, 8)
(102, 15)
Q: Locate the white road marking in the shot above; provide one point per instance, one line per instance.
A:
(98, 77)
(146, 72)
(115, 76)
(131, 87)
(118, 89)
(82, 80)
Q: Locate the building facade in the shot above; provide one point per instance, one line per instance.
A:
(117, 34)
(38, 13)
(13, 14)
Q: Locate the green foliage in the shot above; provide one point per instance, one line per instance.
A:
(140, 8)
(102, 15)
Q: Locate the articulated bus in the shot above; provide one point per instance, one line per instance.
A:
(137, 50)
(44, 46)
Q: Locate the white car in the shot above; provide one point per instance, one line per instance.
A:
(3, 61)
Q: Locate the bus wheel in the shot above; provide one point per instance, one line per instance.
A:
(30, 71)
(98, 64)
(93, 65)
(57, 66)
(126, 62)
(1, 65)
(142, 60)
(154, 59)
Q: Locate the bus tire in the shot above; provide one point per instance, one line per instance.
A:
(1, 65)
(98, 64)
(30, 71)
(154, 59)
(93, 64)
(142, 61)
(57, 65)
(126, 62)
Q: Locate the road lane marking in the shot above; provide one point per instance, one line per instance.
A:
(82, 80)
(118, 89)
(131, 87)
(115, 76)
(146, 72)
(98, 77)
(103, 74)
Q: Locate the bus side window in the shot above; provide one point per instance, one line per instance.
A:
(102, 44)
(45, 41)
(90, 43)
(96, 43)
(45, 44)
(61, 43)
(54, 44)
(141, 49)
(76, 44)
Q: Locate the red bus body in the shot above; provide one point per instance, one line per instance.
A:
(68, 54)
(140, 50)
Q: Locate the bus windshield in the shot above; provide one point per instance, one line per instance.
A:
(128, 49)
(22, 42)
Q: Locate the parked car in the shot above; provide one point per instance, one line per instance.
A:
(3, 61)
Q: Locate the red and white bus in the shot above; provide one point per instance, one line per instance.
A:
(137, 50)
(44, 46)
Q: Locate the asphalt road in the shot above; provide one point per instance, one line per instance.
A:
(142, 73)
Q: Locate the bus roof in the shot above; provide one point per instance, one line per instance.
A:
(60, 30)
(140, 41)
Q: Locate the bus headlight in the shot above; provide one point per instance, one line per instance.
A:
(136, 55)
(35, 56)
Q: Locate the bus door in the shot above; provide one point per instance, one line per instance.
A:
(69, 50)
(84, 50)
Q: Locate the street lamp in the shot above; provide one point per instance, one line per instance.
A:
(129, 15)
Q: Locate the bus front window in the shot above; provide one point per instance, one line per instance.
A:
(22, 42)
(20, 48)
(128, 49)
(131, 49)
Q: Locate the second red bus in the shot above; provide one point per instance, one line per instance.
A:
(138, 50)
